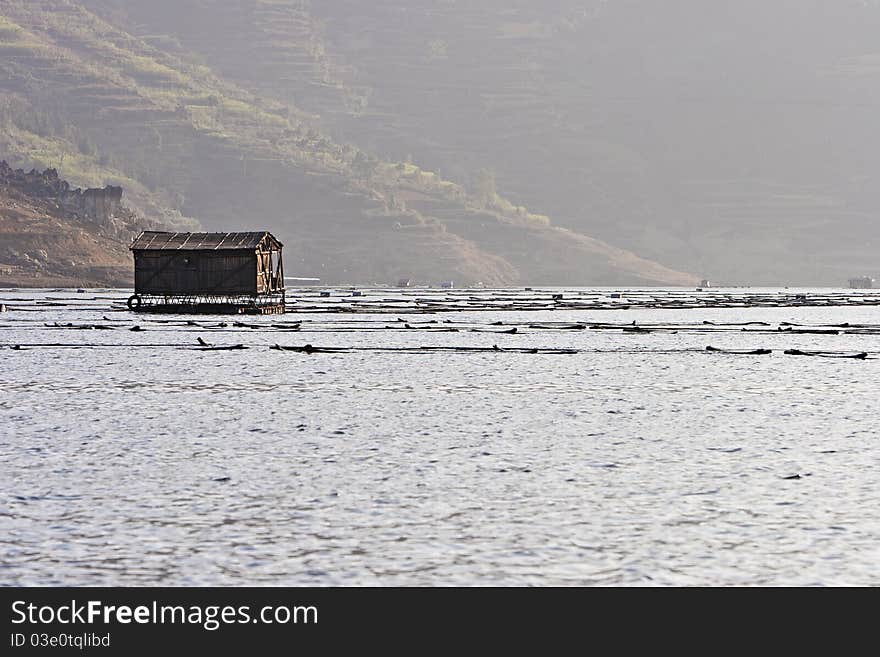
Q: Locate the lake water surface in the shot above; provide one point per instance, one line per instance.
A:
(640, 460)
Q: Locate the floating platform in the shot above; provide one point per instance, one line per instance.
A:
(211, 309)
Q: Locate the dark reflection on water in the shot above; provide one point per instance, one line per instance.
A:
(171, 466)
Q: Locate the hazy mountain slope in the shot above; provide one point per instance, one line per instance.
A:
(731, 139)
(213, 149)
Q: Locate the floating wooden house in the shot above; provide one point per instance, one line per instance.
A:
(238, 273)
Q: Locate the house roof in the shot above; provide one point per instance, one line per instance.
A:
(151, 240)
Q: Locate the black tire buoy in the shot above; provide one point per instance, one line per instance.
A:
(134, 302)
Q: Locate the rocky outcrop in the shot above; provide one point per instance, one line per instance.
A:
(54, 234)
(101, 206)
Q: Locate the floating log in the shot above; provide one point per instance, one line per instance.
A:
(99, 327)
(861, 355)
(809, 331)
(561, 327)
(309, 349)
(207, 346)
(740, 352)
(512, 331)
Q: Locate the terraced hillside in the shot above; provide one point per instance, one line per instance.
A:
(82, 92)
(732, 139)
(729, 139)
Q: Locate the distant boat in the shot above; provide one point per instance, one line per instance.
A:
(861, 283)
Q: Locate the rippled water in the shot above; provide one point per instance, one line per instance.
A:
(642, 460)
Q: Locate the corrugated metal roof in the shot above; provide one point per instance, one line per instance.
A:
(151, 240)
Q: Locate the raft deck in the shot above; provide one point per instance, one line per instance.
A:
(211, 309)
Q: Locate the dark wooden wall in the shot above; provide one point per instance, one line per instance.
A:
(195, 272)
